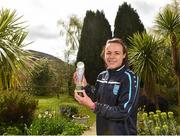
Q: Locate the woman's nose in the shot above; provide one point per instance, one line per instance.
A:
(111, 56)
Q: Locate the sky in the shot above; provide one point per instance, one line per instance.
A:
(41, 17)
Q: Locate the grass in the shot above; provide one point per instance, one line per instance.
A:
(52, 103)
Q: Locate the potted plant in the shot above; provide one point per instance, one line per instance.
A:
(80, 118)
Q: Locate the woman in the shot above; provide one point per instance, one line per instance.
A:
(114, 98)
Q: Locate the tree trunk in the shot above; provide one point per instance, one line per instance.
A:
(178, 89)
(175, 60)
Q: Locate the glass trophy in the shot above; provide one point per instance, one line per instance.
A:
(80, 73)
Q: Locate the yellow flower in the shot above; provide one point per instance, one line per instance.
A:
(170, 114)
(165, 127)
(151, 113)
(157, 130)
(164, 115)
(158, 111)
(39, 116)
(155, 116)
(145, 115)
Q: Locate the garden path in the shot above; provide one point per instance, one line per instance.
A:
(91, 131)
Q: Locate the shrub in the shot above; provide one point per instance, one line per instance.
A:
(159, 123)
(12, 131)
(46, 123)
(16, 107)
(72, 128)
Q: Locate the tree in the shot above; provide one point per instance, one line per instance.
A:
(14, 60)
(95, 32)
(72, 32)
(145, 57)
(167, 24)
(42, 76)
(127, 22)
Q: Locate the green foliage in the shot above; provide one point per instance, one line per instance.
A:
(16, 109)
(14, 60)
(159, 123)
(127, 22)
(48, 123)
(95, 32)
(72, 128)
(12, 131)
(167, 25)
(176, 110)
(145, 57)
(42, 75)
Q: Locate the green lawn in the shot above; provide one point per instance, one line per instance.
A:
(52, 103)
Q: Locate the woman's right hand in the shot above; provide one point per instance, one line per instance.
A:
(84, 82)
(85, 100)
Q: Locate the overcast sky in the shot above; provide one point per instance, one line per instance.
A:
(42, 17)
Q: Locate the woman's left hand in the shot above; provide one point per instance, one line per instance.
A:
(85, 100)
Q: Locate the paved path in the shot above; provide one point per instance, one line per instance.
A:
(90, 131)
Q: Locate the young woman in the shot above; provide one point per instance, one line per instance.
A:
(114, 98)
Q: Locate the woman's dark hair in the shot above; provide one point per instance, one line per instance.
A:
(125, 50)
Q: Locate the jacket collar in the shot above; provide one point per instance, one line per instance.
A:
(119, 69)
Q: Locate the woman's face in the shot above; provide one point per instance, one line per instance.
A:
(114, 55)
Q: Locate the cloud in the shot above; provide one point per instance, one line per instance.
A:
(41, 32)
(146, 8)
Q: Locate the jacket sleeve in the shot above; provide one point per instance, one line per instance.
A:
(128, 94)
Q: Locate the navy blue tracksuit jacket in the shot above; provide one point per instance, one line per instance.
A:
(115, 95)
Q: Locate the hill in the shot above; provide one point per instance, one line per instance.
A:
(48, 56)
(59, 69)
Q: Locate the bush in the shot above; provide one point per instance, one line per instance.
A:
(16, 107)
(72, 128)
(46, 124)
(67, 110)
(176, 110)
(159, 123)
(12, 131)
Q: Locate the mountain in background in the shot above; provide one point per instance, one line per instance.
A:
(48, 56)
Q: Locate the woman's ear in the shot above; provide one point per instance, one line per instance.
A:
(124, 55)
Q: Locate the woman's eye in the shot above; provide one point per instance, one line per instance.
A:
(108, 53)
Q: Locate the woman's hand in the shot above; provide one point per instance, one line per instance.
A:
(84, 82)
(85, 100)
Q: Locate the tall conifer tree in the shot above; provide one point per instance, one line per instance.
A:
(127, 22)
(95, 32)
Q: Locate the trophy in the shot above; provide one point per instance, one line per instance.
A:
(80, 73)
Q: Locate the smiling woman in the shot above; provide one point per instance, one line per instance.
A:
(114, 98)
